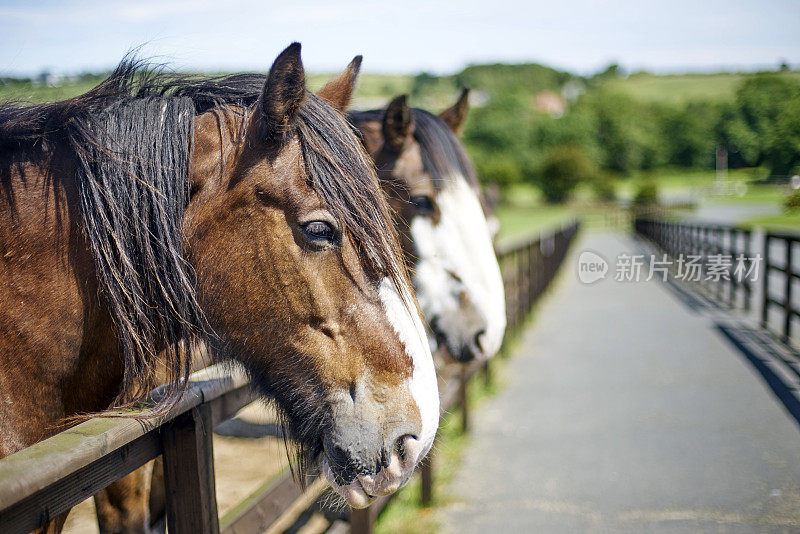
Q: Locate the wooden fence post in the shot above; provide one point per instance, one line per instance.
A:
(360, 521)
(463, 382)
(787, 293)
(189, 473)
(748, 238)
(765, 283)
(426, 474)
(487, 374)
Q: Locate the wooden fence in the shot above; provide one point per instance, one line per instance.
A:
(786, 270)
(700, 243)
(45, 480)
(779, 267)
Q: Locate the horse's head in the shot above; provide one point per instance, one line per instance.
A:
(300, 275)
(444, 231)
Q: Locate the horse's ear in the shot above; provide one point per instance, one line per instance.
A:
(338, 91)
(397, 125)
(283, 94)
(455, 116)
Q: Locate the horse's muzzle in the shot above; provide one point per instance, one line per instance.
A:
(365, 458)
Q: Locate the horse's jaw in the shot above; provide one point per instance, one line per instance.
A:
(457, 278)
(421, 388)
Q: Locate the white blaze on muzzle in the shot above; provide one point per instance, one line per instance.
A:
(457, 278)
(424, 389)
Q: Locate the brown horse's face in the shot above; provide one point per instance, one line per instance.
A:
(294, 300)
(444, 232)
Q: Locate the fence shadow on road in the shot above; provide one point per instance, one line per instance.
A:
(776, 363)
(727, 303)
(778, 366)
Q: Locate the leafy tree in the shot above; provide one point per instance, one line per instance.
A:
(627, 131)
(782, 152)
(646, 195)
(563, 169)
(688, 135)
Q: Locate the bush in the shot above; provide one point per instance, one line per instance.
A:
(563, 169)
(500, 169)
(646, 195)
(792, 202)
(604, 188)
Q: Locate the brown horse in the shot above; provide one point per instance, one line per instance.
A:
(463, 295)
(437, 202)
(156, 211)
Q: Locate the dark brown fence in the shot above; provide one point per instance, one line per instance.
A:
(701, 243)
(782, 274)
(779, 272)
(45, 480)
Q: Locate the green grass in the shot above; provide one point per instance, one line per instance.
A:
(682, 88)
(373, 89)
(28, 92)
(678, 179)
(698, 184)
(784, 221)
(767, 194)
(520, 220)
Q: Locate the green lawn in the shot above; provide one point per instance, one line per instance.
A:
(789, 221)
(771, 194)
(369, 86)
(520, 220)
(372, 91)
(682, 88)
(28, 92)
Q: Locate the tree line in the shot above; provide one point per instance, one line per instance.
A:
(604, 135)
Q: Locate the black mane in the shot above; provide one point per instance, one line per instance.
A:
(443, 155)
(131, 140)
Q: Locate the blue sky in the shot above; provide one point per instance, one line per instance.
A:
(401, 36)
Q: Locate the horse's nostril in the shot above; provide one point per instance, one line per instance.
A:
(400, 445)
(479, 340)
(400, 448)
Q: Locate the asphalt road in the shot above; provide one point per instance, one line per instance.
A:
(626, 411)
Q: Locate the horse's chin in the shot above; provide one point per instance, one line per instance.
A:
(353, 493)
(365, 488)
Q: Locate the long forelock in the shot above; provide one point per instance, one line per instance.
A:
(342, 173)
(443, 155)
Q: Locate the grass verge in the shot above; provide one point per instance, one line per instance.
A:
(787, 221)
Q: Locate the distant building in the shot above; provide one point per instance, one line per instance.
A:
(48, 79)
(551, 103)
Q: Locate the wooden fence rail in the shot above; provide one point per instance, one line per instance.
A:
(788, 270)
(778, 272)
(701, 243)
(45, 480)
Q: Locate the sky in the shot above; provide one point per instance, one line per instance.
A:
(582, 36)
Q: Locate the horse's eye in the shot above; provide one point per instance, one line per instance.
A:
(320, 232)
(423, 204)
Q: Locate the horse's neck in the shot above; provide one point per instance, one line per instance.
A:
(57, 351)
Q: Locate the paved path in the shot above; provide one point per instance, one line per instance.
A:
(625, 411)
